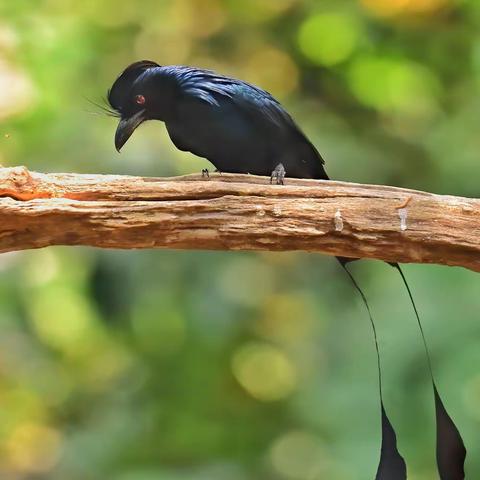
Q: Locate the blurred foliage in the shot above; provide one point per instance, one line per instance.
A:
(195, 365)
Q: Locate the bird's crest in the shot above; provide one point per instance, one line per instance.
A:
(120, 90)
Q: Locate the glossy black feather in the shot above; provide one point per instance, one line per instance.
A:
(392, 465)
(451, 451)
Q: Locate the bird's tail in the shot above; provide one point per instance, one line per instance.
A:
(392, 465)
(320, 172)
(451, 450)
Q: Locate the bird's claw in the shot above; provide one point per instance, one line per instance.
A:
(278, 174)
(205, 173)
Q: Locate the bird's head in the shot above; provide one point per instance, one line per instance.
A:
(137, 96)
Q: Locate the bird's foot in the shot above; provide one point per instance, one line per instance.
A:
(278, 174)
(205, 173)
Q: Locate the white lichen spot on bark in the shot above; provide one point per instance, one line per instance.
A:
(260, 211)
(402, 213)
(338, 220)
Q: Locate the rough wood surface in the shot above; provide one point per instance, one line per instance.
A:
(237, 212)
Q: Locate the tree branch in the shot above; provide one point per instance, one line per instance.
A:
(237, 212)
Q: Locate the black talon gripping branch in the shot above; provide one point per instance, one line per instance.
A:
(241, 128)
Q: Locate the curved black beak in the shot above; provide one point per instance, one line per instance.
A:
(126, 127)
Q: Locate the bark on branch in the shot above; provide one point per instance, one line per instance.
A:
(237, 212)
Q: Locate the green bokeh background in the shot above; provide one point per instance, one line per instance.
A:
(169, 365)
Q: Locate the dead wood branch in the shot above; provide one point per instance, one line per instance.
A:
(237, 212)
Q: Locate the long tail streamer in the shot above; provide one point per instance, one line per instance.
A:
(392, 465)
(451, 450)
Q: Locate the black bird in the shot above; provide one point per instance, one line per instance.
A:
(237, 126)
(241, 128)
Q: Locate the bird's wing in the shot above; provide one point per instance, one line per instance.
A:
(254, 103)
(212, 89)
(207, 113)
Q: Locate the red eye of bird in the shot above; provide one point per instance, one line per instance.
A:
(140, 99)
